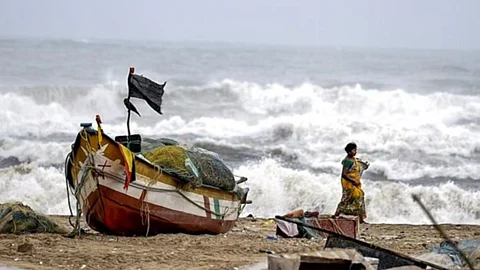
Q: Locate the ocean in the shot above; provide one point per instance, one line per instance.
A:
(278, 115)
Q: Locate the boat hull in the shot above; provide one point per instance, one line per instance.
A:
(154, 203)
(120, 214)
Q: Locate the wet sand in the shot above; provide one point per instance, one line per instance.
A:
(246, 244)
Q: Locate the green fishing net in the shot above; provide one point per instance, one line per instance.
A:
(15, 217)
(193, 165)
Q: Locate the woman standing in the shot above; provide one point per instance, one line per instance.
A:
(353, 197)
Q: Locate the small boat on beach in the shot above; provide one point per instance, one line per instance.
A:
(174, 188)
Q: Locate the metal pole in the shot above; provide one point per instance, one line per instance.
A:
(131, 71)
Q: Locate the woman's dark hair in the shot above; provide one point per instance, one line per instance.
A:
(350, 147)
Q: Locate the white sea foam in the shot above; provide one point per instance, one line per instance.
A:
(276, 190)
(43, 153)
(41, 188)
(405, 136)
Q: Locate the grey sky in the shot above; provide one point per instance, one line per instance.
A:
(377, 23)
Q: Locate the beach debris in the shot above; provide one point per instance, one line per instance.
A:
(470, 248)
(268, 222)
(440, 259)
(387, 258)
(408, 267)
(266, 251)
(17, 218)
(260, 265)
(453, 245)
(346, 225)
(372, 261)
(25, 247)
(283, 262)
(325, 259)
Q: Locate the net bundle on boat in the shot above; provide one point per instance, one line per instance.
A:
(193, 165)
(18, 218)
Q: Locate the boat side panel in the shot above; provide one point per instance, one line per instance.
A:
(125, 215)
(169, 197)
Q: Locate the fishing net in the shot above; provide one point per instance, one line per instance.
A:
(213, 170)
(171, 159)
(193, 165)
(18, 218)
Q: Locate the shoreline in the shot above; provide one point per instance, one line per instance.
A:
(245, 244)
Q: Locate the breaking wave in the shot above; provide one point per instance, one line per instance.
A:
(288, 140)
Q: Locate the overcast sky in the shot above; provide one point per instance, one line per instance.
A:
(371, 23)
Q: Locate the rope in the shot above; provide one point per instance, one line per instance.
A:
(144, 208)
(85, 172)
(67, 160)
(147, 210)
(76, 228)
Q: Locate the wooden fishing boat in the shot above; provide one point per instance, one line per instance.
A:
(121, 192)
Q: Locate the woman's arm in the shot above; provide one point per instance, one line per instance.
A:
(346, 177)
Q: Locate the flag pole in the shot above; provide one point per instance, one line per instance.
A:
(131, 71)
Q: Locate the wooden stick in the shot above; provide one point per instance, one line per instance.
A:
(441, 231)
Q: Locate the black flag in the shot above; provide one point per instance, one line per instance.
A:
(146, 89)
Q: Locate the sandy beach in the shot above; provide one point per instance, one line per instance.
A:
(246, 244)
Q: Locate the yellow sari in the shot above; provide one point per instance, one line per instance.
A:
(353, 197)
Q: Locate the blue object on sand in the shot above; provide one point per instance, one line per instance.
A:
(271, 237)
(466, 246)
